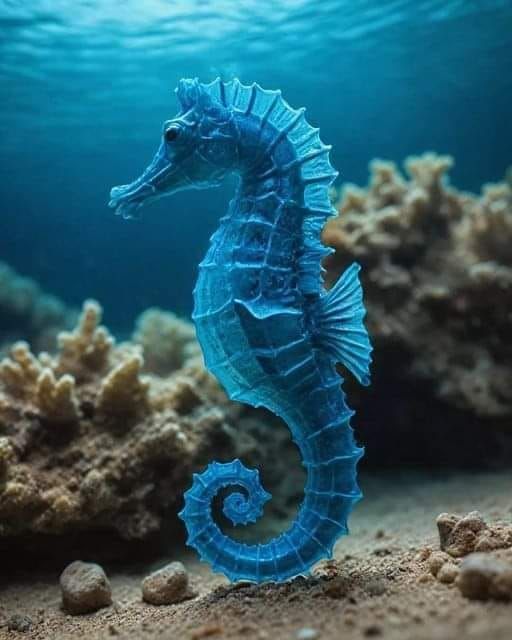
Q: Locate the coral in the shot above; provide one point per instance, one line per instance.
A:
(168, 342)
(437, 271)
(123, 393)
(27, 379)
(87, 349)
(56, 398)
(88, 442)
(25, 308)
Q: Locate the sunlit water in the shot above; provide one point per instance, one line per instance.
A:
(85, 87)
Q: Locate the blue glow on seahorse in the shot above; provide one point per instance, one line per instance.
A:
(269, 331)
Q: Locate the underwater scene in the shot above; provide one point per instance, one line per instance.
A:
(256, 319)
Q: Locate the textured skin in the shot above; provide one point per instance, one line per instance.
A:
(269, 331)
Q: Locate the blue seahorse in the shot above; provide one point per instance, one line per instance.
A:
(269, 331)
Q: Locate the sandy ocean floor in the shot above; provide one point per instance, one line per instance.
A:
(378, 586)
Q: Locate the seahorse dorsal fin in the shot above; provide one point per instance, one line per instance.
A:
(339, 323)
(187, 93)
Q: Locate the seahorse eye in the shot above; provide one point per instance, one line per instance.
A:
(172, 133)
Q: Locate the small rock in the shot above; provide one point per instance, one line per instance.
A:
(306, 633)
(425, 578)
(446, 523)
(350, 620)
(483, 577)
(372, 630)
(448, 573)
(335, 588)
(85, 588)
(19, 623)
(436, 561)
(167, 585)
(206, 631)
(375, 587)
(424, 554)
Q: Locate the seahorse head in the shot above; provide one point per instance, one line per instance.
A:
(198, 147)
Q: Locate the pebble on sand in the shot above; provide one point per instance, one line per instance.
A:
(19, 623)
(448, 573)
(168, 585)
(85, 588)
(436, 561)
(484, 577)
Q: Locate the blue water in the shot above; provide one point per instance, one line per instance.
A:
(85, 86)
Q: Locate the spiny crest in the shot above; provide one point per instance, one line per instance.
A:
(194, 95)
(218, 98)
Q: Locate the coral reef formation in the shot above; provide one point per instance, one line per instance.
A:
(27, 311)
(88, 441)
(438, 277)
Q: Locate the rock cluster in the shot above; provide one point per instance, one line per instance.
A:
(85, 587)
(442, 567)
(485, 571)
(460, 536)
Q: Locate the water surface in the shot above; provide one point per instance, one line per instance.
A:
(85, 87)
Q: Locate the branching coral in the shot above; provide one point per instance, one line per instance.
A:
(85, 351)
(56, 399)
(123, 393)
(438, 271)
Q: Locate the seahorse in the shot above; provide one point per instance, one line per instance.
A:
(269, 330)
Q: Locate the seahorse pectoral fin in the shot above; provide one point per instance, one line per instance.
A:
(339, 327)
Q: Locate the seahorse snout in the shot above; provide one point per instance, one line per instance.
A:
(117, 192)
(127, 199)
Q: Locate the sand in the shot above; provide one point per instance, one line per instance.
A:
(379, 584)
